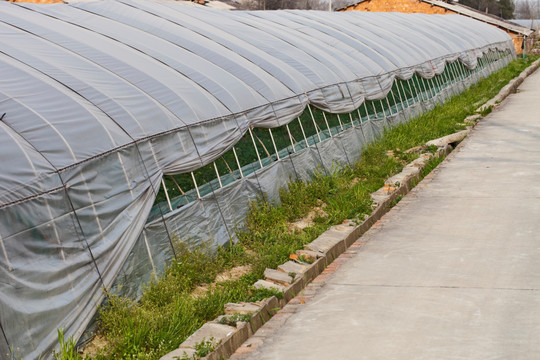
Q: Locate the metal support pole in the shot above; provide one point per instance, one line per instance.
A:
(314, 123)
(367, 112)
(384, 112)
(405, 93)
(303, 132)
(237, 163)
(360, 121)
(426, 89)
(340, 124)
(290, 138)
(456, 72)
(274, 143)
(411, 91)
(437, 84)
(375, 110)
(195, 183)
(389, 106)
(255, 146)
(463, 74)
(327, 126)
(177, 186)
(434, 87)
(147, 245)
(360, 115)
(419, 94)
(400, 97)
(394, 98)
(444, 77)
(166, 194)
(401, 105)
(217, 174)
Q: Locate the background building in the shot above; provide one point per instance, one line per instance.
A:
(520, 34)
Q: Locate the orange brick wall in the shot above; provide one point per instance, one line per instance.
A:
(405, 6)
(416, 6)
(518, 42)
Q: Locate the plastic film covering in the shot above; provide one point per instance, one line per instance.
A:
(98, 101)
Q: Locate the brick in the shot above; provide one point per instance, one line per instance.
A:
(329, 238)
(263, 284)
(241, 308)
(206, 332)
(310, 255)
(178, 354)
(449, 139)
(292, 267)
(278, 277)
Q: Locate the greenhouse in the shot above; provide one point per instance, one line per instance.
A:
(130, 126)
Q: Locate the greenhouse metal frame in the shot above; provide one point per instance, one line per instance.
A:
(128, 126)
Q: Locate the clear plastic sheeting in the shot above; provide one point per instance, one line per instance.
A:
(98, 101)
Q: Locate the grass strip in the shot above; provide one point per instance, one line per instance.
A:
(180, 301)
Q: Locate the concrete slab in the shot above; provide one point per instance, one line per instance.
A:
(292, 267)
(452, 271)
(310, 255)
(208, 332)
(278, 277)
(263, 284)
(387, 322)
(241, 308)
(179, 354)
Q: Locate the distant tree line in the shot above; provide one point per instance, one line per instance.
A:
(274, 4)
(507, 9)
(291, 4)
(527, 9)
(502, 8)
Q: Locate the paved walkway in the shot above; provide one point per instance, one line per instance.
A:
(451, 272)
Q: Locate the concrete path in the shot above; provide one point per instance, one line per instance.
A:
(451, 272)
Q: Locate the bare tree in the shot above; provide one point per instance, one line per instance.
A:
(286, 4)
(527, 9)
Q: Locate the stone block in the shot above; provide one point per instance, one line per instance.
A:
(379, 197)
(473, 119)
(264, 284)
(310, 255)
(443, 151)
(241, 308)
(178, 354)
(208, 331)
(449, 139)
(227, 347)
(329, 238)
(278, 277)
(292, 267)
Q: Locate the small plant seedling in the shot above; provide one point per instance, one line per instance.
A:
(231, 320)
(292, 275)
(396, 200)
(68, 349)
(205, 347)
(263, 293)
(304, 259)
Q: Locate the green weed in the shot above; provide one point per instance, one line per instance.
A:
(231, 320)
(68, 350)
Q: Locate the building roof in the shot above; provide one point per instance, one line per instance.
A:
(528, 23)
(472, 13)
